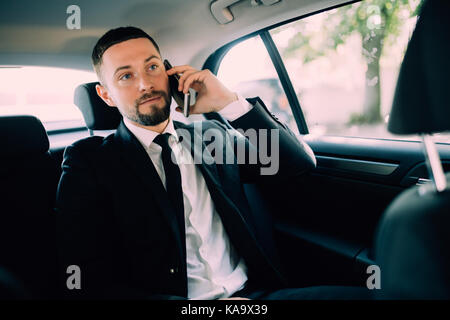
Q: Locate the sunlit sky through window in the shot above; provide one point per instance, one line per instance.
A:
(44, 92)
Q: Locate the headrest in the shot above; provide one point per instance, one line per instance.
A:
(422, 96)
(22, 135)
(96, 113)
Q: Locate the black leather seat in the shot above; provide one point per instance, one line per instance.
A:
(413, 239)
(28, 182)
(96, 113)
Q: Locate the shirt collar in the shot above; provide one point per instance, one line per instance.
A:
(146, 136)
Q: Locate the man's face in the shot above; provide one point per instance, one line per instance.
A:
(136, 81)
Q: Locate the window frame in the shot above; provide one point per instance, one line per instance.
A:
(213, 62)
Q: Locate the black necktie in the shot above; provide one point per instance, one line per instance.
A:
(173, 179)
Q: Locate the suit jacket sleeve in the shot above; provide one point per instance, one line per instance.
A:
(85, 231)
(279, 153)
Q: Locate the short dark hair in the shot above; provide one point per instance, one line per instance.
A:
(113, 37)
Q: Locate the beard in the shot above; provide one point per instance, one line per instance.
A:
(156, 115)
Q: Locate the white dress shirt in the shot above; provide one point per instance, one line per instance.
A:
(214, 269)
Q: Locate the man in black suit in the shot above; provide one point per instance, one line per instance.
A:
(140, 218)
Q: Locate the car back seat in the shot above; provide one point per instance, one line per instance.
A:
(28, 181)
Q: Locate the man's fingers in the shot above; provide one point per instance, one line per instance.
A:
(179, 69)
(198, 76)
(185, 72)
(183, 78)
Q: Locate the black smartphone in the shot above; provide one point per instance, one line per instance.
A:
(182, 100)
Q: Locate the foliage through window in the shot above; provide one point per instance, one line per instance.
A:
(343, 64)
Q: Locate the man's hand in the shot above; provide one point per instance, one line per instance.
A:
(212, 95)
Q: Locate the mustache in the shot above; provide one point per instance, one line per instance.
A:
(147, 96)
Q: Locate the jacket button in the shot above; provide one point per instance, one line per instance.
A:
(172, 271)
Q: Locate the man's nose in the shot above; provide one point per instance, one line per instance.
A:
(146, 83)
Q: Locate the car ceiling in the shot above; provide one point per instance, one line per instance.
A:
(34, 32)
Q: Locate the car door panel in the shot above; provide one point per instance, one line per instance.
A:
(326, 220)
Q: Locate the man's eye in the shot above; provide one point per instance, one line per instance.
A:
(126, 76)
(153, 67)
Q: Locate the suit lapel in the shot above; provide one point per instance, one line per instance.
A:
(137, 158)
(232, 217)
(194, 142)
(211, 175)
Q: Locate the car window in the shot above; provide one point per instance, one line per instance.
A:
(343, 64)
(44, 92)
(248, 70)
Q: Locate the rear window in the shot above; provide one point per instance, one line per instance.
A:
(44, 92)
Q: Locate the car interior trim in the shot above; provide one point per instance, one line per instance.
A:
(372, 167)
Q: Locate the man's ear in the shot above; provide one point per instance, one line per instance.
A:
(103, 93)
